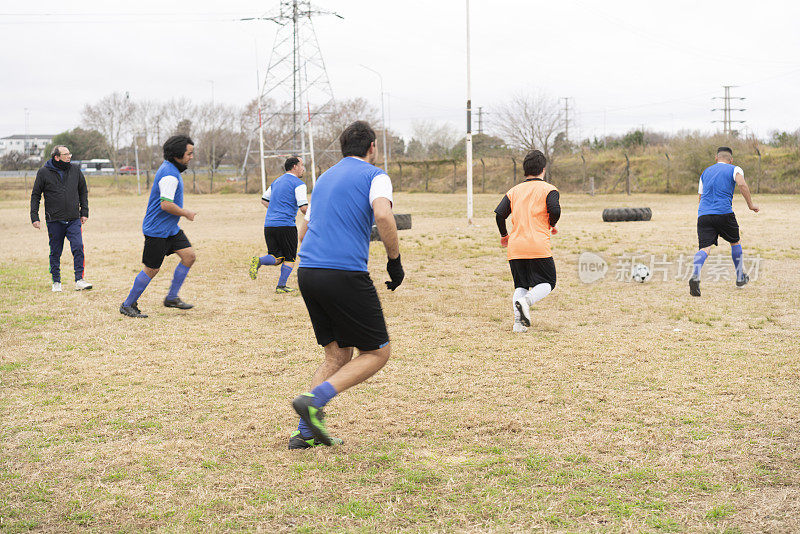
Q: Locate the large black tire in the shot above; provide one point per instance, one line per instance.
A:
(627, 214)
(402, 220)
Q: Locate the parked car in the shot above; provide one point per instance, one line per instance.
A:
(127, 170)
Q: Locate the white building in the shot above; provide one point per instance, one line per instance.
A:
(33, 145)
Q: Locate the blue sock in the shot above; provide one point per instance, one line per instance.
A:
(699, 260)
(139, 285)
(269, 259)
(323, 393)
(177, 280)
(736, 254)
(286, 270)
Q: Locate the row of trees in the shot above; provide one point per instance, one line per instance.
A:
(116, 126)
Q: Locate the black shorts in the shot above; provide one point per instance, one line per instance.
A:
(281, 241)
(531, 272)
(344, 307)
(158, 248)
(709, 227)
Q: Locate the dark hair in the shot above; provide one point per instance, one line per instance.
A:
(356, 139)
(534, 163)
(57, 151)
(290, 163)
(175, 147)
(725, 149)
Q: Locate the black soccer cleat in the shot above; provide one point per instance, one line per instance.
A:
(313, 417)
(297, 441)
(131, 311)
(741, 282)
(177, 303)
(694, 287)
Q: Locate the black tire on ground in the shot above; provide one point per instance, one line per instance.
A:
(402, 220)
(627, 214)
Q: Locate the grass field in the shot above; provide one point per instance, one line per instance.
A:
(627, 407)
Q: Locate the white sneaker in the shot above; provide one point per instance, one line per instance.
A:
(81, 284)
(56, 287)
(524, 310)
(519, 327)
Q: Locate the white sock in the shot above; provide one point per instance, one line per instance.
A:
(519, 293)
(538, 292)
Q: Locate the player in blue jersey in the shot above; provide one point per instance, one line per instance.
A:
(162, 235)
(715, 217)
(283, 198)
(332, 275)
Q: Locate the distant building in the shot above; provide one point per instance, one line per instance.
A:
(32, 145)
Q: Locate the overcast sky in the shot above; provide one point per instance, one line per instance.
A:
(622, 63)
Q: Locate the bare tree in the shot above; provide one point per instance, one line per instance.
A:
(112, 117)
(434, 140)
(529, 122)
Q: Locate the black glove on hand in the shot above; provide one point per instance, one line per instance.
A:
(396, 273)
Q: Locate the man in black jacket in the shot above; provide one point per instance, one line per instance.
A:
(66, 209)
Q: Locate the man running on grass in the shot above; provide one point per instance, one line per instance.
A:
(282, 199)
(342, 301)
(715, 217)
(534, 209)
(162, 235)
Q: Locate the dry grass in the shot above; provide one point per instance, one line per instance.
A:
(626, 408)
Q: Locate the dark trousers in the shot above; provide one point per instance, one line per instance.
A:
(58, 230)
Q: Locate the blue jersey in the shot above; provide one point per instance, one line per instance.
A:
(285, 195)
(717, 184)
(341, 217)
(157, 222)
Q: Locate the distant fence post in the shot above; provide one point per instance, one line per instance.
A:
(627, 174)
(454, 176)
(483, 188)
(583, 165)
(194, 180)
(514, 180)
(245, 179)
(591, 185)
(669, 169)
(427, 173)
(758, 176)
(147, 178)
(211, 188)
(400, 176)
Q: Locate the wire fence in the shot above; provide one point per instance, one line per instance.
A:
(605, 172)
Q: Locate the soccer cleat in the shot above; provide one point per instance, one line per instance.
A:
(312, 416)
(56, 287)
(297, 441)
(131, 311)
(82, 284)
(694, 287)
(524, 311)
(177, 303)
(519, 327)
(283, 289)
(741, 282)
(254, 265)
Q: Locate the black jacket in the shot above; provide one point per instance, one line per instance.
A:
(66, 196)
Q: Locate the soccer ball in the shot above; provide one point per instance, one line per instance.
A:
(640, 273)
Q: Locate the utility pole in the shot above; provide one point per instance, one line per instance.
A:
(566, 118)
(213, 134)
(383, 120)
(727, 110)
(469, 128)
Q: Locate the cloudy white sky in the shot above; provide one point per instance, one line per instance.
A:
(622, 63)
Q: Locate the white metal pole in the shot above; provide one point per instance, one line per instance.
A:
(469, 130)
(136, 156)
(311, 149)
(261, 140)
(383, 119)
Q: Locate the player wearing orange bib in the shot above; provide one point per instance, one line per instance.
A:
(534, 210)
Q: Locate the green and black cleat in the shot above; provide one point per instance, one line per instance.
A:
(312, 416)
(297, 441)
